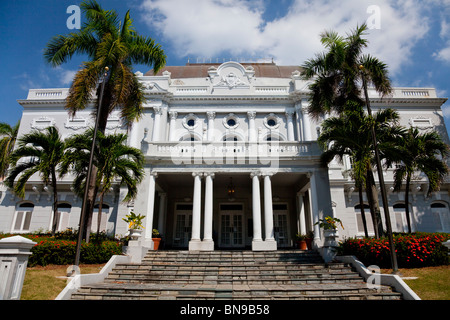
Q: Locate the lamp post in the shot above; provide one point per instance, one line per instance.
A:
(88, 177)
(381, 179)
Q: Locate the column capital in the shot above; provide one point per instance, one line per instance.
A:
(173, 115)
(157, 110)
(267, 173)
(211, 115)
(209, 174)
(154, 174)
(289, 113)
(255, 174)
(197, 174)
(251, 114)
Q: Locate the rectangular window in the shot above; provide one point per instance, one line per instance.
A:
(369, 223)
(23, 221)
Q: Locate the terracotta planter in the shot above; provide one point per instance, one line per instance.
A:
(302, 245)
(156, 242)
(309, 243)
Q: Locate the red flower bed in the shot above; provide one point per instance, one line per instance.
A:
(61, 249)
(413, 250)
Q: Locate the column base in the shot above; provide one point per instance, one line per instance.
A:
(267, 245)
(198, 245)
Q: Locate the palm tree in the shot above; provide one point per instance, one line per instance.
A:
(107, 43)
(337, 73)
(350, 134)
(8, 137)
(113, 158)
(37, 152)
(420, 152)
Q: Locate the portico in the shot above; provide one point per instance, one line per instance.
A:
(194, 211)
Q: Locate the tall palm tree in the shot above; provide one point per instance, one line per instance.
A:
(337, 76)
(350, 134)
(8, 136)
(37, 152)
(107, 43)
(420, 152)
(114, 159)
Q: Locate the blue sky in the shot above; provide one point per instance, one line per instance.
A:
(411, 36)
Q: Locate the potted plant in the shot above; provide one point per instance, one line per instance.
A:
(329, 226)
(134, 224)
(156, 237)
(309, 238)
(301, 241)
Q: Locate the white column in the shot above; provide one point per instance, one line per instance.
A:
(211, 115)
(172, 129)
(157, 124)
(134, 135)
(298, 121)
(208, 243)
(196, 211)
(270, 242)
(301, 212)
(314, 206)
(307, 135)
(256, 204)
(290, 125)
(252, 137)
(161, 213)
(150, 208)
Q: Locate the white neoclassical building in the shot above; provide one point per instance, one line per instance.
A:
(231, 161)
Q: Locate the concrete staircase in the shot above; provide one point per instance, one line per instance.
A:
(244, 275)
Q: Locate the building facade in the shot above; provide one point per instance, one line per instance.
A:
(231, 161)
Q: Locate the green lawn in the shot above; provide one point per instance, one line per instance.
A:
(45, 283)
(432, 283)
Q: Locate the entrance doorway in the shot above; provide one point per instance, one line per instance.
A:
(183, 225)
(280, 224)
(231, 227)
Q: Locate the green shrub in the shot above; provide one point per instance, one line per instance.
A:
(413, 250)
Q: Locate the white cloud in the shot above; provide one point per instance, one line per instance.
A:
(66, 76)
(443, 54)
(208, 28)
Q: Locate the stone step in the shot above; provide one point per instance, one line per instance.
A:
(107, 291)
(245, 275)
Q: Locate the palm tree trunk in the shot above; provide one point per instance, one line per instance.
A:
(55, 203)
(408, 220)
(372, 195)
(363, 215)
(102, 121)
(99, 217)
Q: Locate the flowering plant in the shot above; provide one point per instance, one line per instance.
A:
(134, 220)
(156, 234)
(329, 223)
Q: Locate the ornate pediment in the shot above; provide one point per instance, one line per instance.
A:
(231, 75)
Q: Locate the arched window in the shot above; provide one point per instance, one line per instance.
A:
(189, 137)
(359, 220)
(401, 223)
(230, 138)
(435, 220)
(22, 217)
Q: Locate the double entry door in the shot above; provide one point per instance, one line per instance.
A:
(231, 227)
(183, 225)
